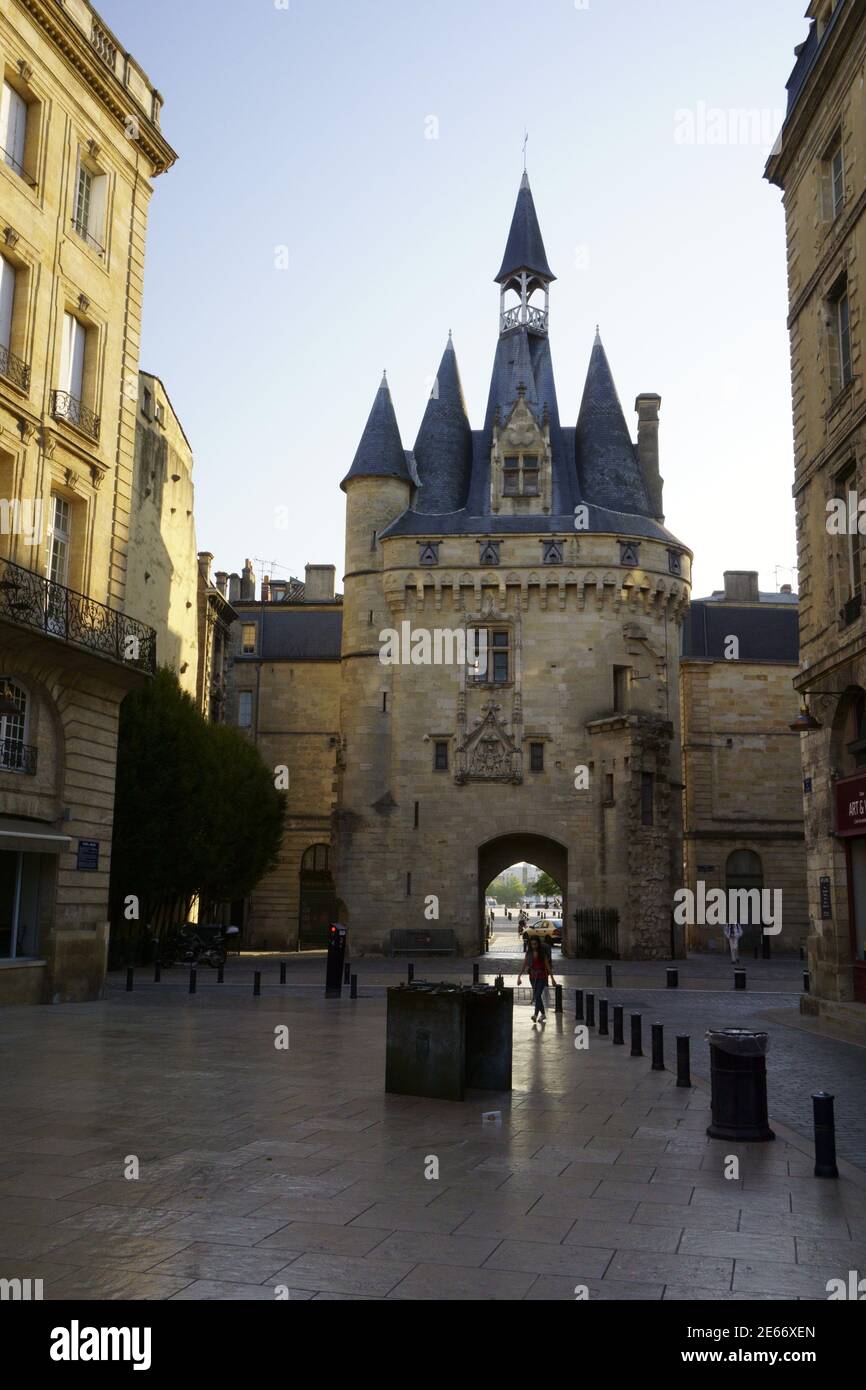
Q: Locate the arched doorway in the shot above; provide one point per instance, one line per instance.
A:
(318, 898)
(743, 869)
(500, 853)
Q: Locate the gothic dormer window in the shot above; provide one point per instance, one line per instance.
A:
(629, 553)
(489, 553)
(552, 553)
(520, 475)
(675, 563)
(429, 553)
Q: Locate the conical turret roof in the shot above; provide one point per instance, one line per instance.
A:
(524, 249)
(380, 453)
(443, 449)
(607, 463)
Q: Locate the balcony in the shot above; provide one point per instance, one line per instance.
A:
(28, 599)
(80, 229)
(14, 369)
(9, 159)
(104, 46)
(17, 757)
(523, 315)
(75, 412)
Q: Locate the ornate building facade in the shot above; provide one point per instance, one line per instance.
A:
(820, 164)
(80, 141)
(541, 546)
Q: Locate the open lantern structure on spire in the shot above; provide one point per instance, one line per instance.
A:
(524, 269)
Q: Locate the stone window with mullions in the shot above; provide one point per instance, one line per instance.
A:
(497, 648)
(520, 475)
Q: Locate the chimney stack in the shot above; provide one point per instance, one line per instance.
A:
(234, 587)
(266, 588)
(205, 560)
(647, 407)
(221, 581)
(248, 584)
(741, 586)
(319, 583)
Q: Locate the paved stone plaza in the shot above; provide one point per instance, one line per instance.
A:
(263, 1169)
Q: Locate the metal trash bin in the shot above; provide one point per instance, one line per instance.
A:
(443, 1038)
(738, 1076)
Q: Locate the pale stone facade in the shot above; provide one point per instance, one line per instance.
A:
(81, 141)
(565, 751)
(163, 577)
(283, 690)
(821, 166)
(742, 802)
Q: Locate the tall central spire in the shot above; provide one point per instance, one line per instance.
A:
(524, 268)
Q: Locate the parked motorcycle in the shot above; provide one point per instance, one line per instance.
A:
(195, 944)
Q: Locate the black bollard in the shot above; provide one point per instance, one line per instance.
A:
(602, 1018)
(636, 1049)
(590, 1009)
(282, 972)
(806, 982)
(617, 1024)
(129, 974)
(825, 1135)
(557, 992)
(658, 1037)
(684, 1076)
(221, 974)
(739, 979)
(475, 973)
(578, 1006)
(192, 979)
(353, 987)
(410, 973)
(802, 954)
(257, 982)
(347, 973)
(673, 979)
(157, 973)
(608, 976)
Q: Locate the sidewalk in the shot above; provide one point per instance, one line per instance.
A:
(263, 1168)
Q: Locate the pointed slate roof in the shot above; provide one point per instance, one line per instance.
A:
(443, 449)
(607, 464)
(524, 249)
(380, 452)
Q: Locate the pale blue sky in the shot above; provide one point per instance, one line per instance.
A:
(307, 128)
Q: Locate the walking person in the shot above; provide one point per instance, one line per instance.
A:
(538, 966)
(733, 931)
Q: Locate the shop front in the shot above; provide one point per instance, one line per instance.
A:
(851, 829)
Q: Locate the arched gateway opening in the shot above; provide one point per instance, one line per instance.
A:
(500, 853)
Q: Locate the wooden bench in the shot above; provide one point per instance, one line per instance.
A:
(412, 941)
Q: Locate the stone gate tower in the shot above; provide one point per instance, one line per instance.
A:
(545, 544)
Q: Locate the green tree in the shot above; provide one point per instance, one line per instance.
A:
(506, 889)
(544, 887)
(196, 810)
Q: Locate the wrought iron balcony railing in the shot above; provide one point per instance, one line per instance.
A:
(75, 412)
(14, 369)
(16, 757)
(32, 601)
(13, 163)
(81, 230)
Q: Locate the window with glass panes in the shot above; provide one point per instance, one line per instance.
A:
(440, 756)
(536, 757)
(843, 318)
(83, 198)
(520, 475)
(58, 551)
(498, 645)
(248, 638)
(12, 727)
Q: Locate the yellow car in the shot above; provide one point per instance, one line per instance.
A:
(547, 929)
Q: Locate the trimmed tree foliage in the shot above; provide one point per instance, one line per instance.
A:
(196, 810)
